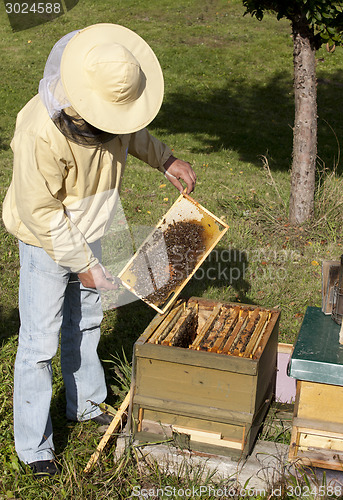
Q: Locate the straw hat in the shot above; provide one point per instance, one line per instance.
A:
(112, 78)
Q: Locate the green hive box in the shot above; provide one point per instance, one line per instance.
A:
(317, 354)
(204, 401)
(317, 366)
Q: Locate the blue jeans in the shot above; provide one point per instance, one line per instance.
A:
(52, 303)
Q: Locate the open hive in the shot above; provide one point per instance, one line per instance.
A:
(205, 371)
(228, 329)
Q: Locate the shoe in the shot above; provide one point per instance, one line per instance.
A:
(44, 468)
(103, 419)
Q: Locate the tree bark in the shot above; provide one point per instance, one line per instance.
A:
(305, 124)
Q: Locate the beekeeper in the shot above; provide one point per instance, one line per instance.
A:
(102, 86)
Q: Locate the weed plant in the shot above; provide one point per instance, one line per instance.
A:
(228, 110)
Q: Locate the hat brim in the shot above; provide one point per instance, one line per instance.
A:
(110, 117)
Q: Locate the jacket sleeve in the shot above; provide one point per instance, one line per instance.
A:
(147, 148)
(38, 176)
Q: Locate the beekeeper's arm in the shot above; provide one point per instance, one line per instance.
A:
(152, 151)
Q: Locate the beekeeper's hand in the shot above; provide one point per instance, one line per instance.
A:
(175, 169)
(98, 277)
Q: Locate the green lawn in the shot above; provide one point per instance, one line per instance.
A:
(228, 110)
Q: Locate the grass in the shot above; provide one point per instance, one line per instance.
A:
(228, 110)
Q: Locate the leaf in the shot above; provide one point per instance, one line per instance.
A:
(105, 408)
(115, 390)
(14, 464)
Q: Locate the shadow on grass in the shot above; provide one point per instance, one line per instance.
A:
(223, 275)
(9, 324)
(4, 143)
(253, 120)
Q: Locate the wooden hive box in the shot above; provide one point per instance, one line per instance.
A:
(206, 401)
(317, 366)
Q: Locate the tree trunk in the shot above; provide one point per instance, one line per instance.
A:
(305, 124)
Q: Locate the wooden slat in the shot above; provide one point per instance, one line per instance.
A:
(207, 326)
(188, 316)
(261, 336)
(167, 324)
(310, 440)
(197, 432)
(203, 209)
(194, 357)
(209, 438)
(162, 423)
(204, 303)
(271, 326)
(140, 419)
(324, 458)
(319, 425)
(294, 444)
(258, 332)
(233, 339)
(319, 432)
(112, 428)
(217, 328)
(285, 348)
(213, 333)
(230, 323)
(246, 334)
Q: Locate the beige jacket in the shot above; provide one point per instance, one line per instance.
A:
(63, 195)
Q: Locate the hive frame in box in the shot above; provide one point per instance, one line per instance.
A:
(211, 224)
